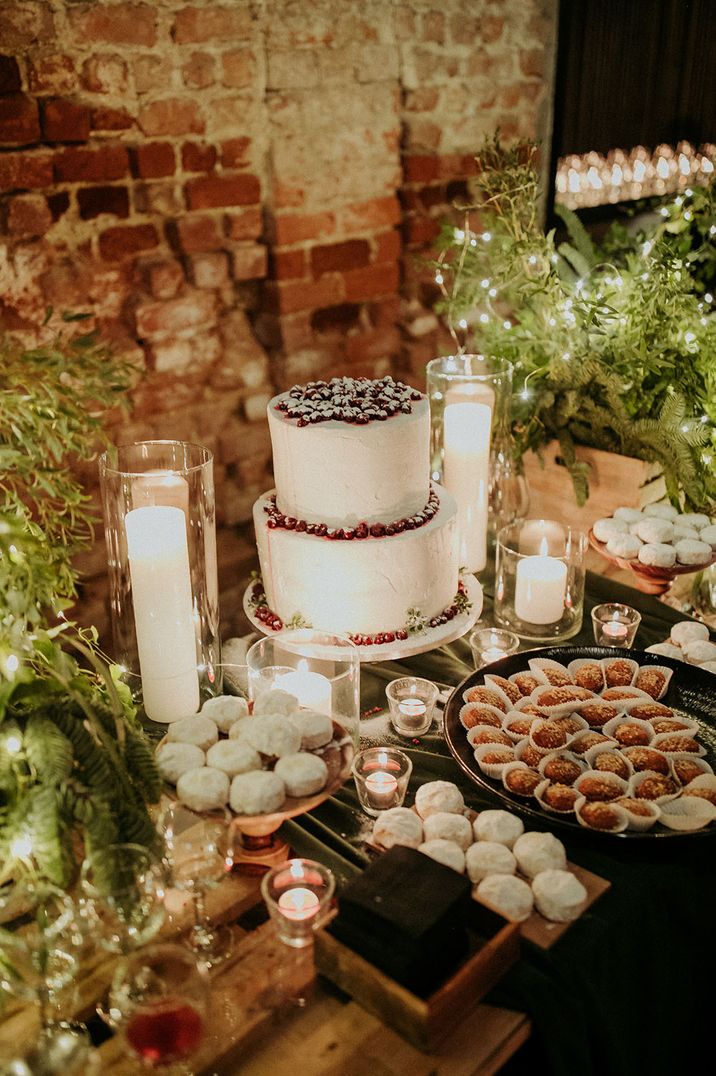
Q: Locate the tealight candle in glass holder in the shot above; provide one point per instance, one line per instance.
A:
(412, 702)
(614, 624)
(492, 644)
(381, 776)
(298, 895)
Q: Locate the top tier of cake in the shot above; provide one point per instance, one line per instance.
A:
(350, 450)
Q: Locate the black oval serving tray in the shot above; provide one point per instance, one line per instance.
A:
(692, 692)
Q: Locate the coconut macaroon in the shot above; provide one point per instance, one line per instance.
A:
(446, 852)
(559, 896)
(398, 825)
(438, 796)
(259, 792)
(225, 711)
(197, 730)
(174, 759)
(302, 774)
(203, 789)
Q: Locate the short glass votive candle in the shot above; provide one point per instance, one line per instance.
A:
(492, 644)
(411, 701)
(614, 624)
(539, 579)
(381, 776)
(298, 895)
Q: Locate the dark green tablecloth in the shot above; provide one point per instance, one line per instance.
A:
(620, 993)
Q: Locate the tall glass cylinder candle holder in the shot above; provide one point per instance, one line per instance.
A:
(470, 398)
(539, 579)
(320, 669)
(160, 530)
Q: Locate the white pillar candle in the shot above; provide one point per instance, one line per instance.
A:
(540, 587)
(163, 611)
(310, 688)
(466, 460)
(160, 488)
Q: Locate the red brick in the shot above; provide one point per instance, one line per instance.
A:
(171, 116)
(371, 281)
(434, 27)
(64, 120)
(111, 119)
(491, 27)
(367, 346)
(118, 243)
(174, 315)
(424, 99)
(337, 256)
(119, 24)
(105, 72)
(298, 227)
(198, 157)
(152, 160)
(234, 152)
(216, 23)
(23, 171)
(28, 215)
(247, 224)
(164, 279)
(198, 71)
(19, 119)
(286, 196)
(210, 269)
(336, 319)
(420, 230)
(23, 24)
(292, 296)
(95, 200)
(532, 62)
(388, 247)
(90, 165)
(59, 204)
(216, 191)
(196, 233)
(10, 81)
(238, 68)
(249, 262)
(288, 264)
(376, 213)
(419, 168)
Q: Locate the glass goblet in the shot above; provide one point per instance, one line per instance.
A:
(123, 891)
(158, 1000)
(199, 852)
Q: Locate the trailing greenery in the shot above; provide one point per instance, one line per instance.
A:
(76, 770)
(613, 346)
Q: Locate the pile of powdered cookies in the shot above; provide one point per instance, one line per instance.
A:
(689, 641)
(512, 871)
(658, 536)
(224, 756)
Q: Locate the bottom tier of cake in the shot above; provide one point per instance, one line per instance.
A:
(363, 585)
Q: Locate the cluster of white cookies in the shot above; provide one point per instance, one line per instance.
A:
(658, 535)
(491, 850)
(689, 641)
(256, 763)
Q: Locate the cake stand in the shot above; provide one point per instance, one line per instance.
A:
(418, 643)
(649, 578)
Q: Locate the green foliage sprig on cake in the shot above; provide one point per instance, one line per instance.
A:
(76, 770)
(614, 346)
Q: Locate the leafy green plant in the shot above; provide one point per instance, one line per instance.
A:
(613, 346)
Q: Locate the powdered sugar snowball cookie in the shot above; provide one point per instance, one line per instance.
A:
(626, 546)
(302, 774)
(661, 510)
(258, 792)
(438, 796)
(657, 555)
(604, 529)
(198, 730)
(316, 729)
(488, 857)
(502, 827)
(688, 631)
(697, 520)
(239, 727)
(559, 896)
(667, 650)
(398, 825)
(700, 651)
(537, 852)
(691, 551)
(203, 789)
(174, 759)
(655, 530)
(276, 702)
(272, 735)
(446, 852)
(684, 532)
(628, 515)
(448, 827)
(507, 895)
(225, 711)
(708, 534)
(233, 757)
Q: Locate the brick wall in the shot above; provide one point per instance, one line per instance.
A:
(237, 190)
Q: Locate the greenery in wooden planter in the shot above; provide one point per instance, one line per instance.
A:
(76, 770)
(614, 346)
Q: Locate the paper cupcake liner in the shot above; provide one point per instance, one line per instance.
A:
(602, 749)
(691, 728)
(526, 674)
(539, 796)
(541, 667)
(687, 814)
(625, 698)
(701, 763)
(482, 711)
(526, 705)
(512, 718)
(476, 730)
(621, 824)
(640, 823)
(670, 737)
(620, 786)
(504, 686)
(646, 669)
(638, 779)
(487, 696)
(574, 667)
(510, 768)
(491, 769)
(623, 664)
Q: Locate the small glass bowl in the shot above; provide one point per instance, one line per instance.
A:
(298, 895)
(411, 701)
(381, 776)
(615, 625)
(491, 644)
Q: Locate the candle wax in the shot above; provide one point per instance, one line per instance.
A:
(310, 688)
(493, 654)
(614, 630)
(466, 458)
(412, 707)
(298, 904)
(381, 788)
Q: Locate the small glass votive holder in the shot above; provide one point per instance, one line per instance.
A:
(492, 644)
(381, 776)
(614, 624)
(411, 701)
(298, 895)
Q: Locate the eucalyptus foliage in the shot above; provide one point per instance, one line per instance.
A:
(613, 346)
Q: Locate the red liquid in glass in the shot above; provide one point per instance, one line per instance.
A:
(169, 1031)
